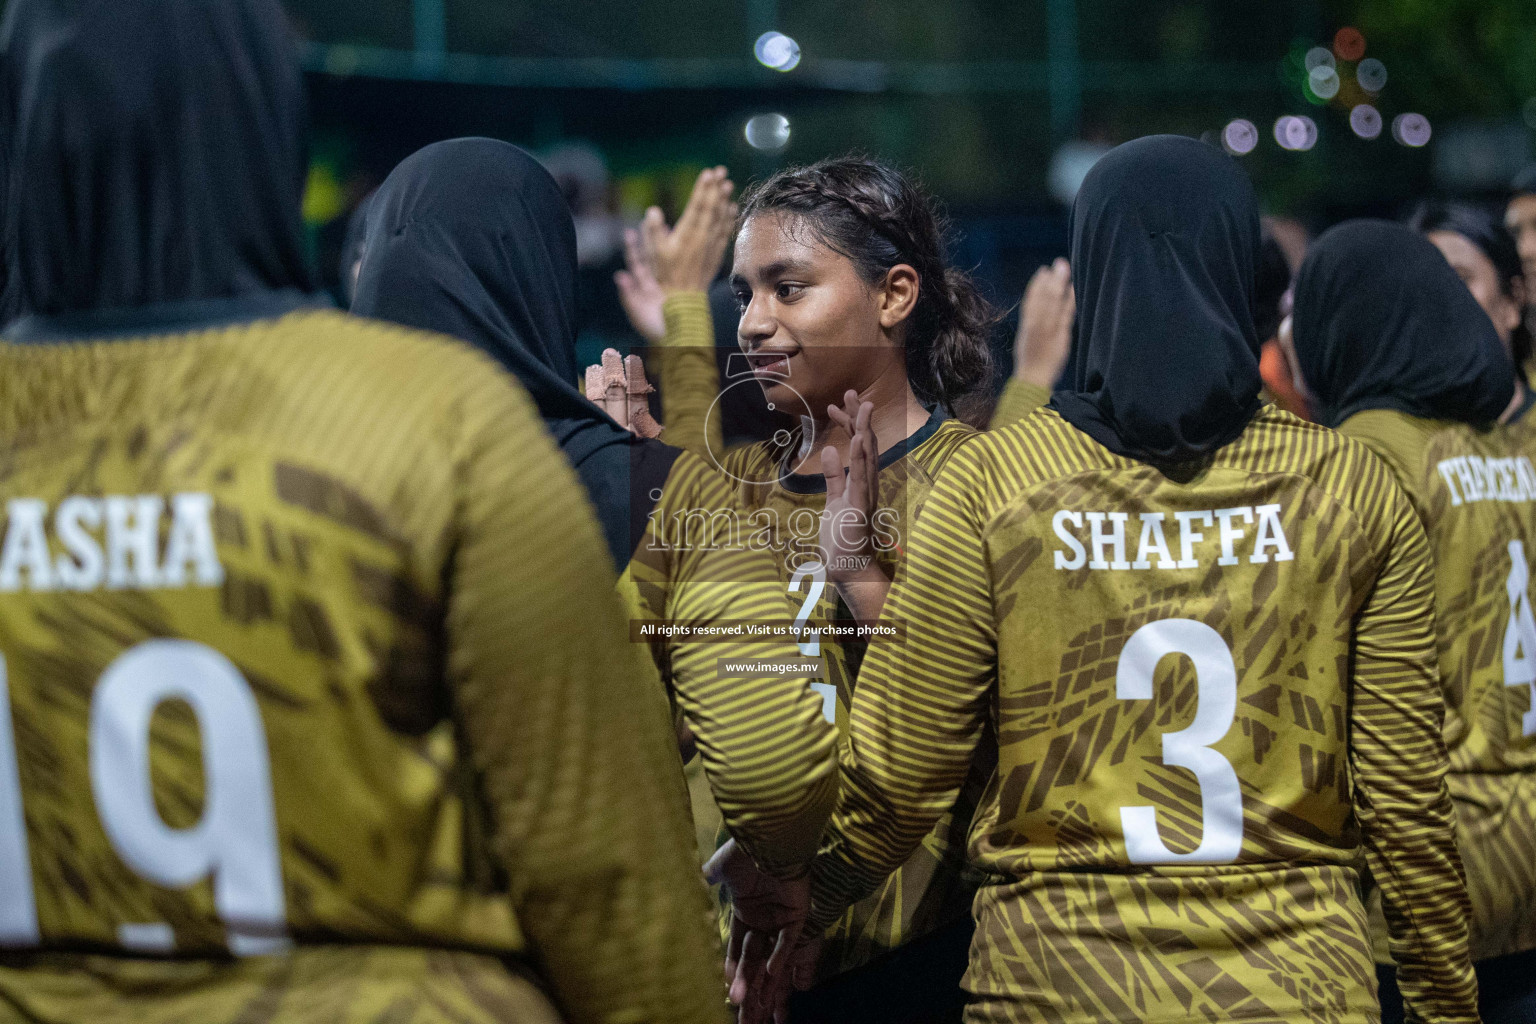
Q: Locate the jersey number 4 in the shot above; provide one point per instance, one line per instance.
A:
(235, 842)
(1520, 634)
(1221, 797)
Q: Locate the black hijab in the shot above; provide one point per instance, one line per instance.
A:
(353, 246)
(472, 238)
(1383, 322)
(1165, 360)
(154, 153)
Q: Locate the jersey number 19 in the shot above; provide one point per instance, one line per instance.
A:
(235, 842)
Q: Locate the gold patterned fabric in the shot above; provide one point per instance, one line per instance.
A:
(933, 886)
(1211, 698)
(1476, 495)
(767, 756)
(311, 650)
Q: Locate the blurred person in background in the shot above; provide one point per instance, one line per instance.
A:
(1194, 634)
(1484, 256)
(1520, 219)
(1271, 305)
(472, 238)
(316, 702)
(1391, 349)
(581, 171)
(706, 417)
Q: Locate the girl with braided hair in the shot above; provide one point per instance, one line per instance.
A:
(853, 323)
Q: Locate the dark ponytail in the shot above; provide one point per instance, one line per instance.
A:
(878, 218)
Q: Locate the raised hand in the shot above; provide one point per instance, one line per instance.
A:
(1044, 339)
(767, 956)
(619, 387)
(847, 523)
(639, 293)
(686, 258)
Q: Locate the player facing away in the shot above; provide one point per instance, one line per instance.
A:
(471, 237)
(315, 698)
(1198, 635)
(1397, 353)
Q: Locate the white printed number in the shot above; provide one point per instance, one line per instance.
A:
(1221, 798)
(235, 842)
(1520, 634)
(816, 574)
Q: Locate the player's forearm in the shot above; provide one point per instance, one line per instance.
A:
(777, 809)
(769, 754)
(689, 375)
(1411, 852)
(872, 833)
(1019, 399)
(1399, 763)
(865, 593)
(919, 709)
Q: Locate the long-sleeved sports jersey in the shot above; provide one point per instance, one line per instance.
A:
(1476, 495)
(690, 377)
(933, 887)
(309, 647)
(768, 755)
(1208, 697)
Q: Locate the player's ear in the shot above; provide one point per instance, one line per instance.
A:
(897, 295)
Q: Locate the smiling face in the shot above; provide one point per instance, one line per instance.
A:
(810, 324)
(1481, 277)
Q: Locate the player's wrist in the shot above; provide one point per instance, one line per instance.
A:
(869, 573)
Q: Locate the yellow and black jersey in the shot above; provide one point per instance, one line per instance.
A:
(932, 887)
(767, 753)
(1476, 495)
(1211, 698)
(308, 646)
(690, 377)
(1019, 399)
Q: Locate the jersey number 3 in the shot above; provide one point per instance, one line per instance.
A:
(236, 840)
(1221, 798)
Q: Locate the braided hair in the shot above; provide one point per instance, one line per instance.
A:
(877, 218)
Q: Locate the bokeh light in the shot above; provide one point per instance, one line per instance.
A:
(1323, 81)
(767, 131)
(1372, 75)
(1411, 130)
(1365, 121)
(1297, 134)
(1240, 137)
(1349, 44)
(1319, 57)
(777, 51)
